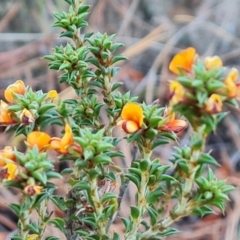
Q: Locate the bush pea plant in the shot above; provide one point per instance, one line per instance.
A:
(198, 93)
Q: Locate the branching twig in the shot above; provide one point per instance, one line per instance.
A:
(123, 188)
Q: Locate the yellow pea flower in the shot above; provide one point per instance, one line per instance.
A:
(9, 171)
(230, 82)
(39, 139)
(52, 96)
(213, 62)
(183, 61)
(177, 92)
(6, 153)
(5, 114)
(17, 87)
(132, 117)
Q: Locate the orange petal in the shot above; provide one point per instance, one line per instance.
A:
(2, 160)
(55, 143)
(5, 114)
(8, 153)
(176, 125)
(39, 139)
(130, 126)
(67, 139)
(183, 61)
(213, 62)
(133, 112)
(17, 87)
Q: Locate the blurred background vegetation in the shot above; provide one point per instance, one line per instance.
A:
(152, 31)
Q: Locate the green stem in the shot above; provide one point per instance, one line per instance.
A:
(42, 212)
(184, 207)
(143, 191)
(24, 220)
(98, 207)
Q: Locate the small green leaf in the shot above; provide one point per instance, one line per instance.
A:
(133, 179)
(116, 236)
(153, 196)
(127, 223)
(144, 165)
(66, 171)
(108, 196)
(53, 175)
(40, 176)
(207, 159)
(33, 227)
(58, 223)
(82, 185)
(153, 215)
(116, 86)
(135, 213)
(15, 207)
(52, 238)
(102, 159)
(118, 58)
(59, 202)
(159, 141)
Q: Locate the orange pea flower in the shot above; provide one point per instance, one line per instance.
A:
(132, 117)
(9, 171)
(39, 139)
(52, 96)
(61, 144)
(17, 87)
(214, 104)
(26, 116)
(173, 124)
(55, 143)
(177, 92)
(67, 139)
(230, 82)
(6, 153)
(33, 189)
(5, 114)
(213, 62)
(183, 61)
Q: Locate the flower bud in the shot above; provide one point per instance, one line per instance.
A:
(214, 104)
(26, 116)
(33, 189)
(52, 97)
